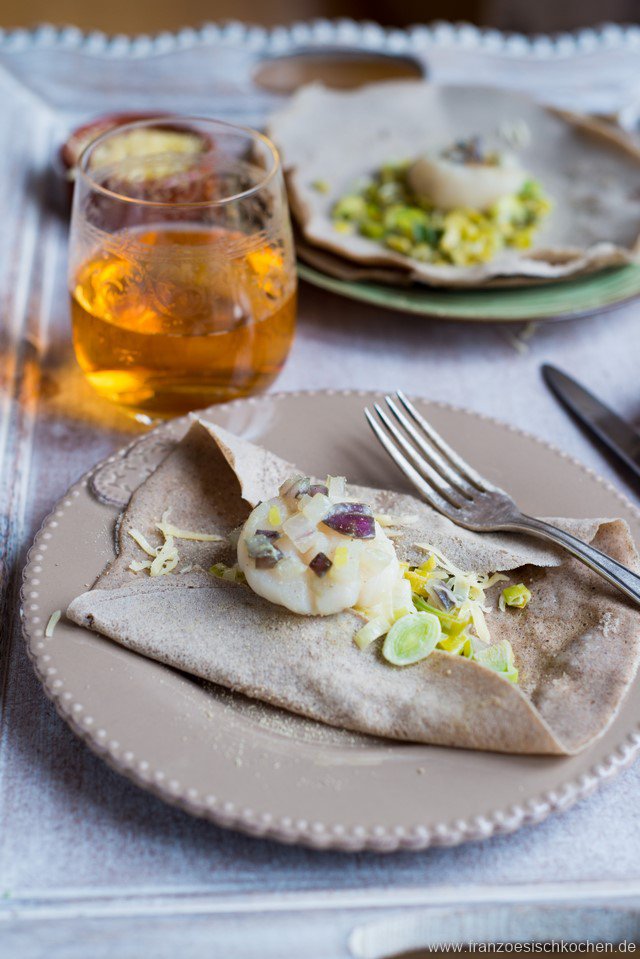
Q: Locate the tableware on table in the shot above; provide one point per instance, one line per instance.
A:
(337, 67)
(80, 138)
(491, 186)
(181, 270)
(616, 434)
(450, 485)
(258, 769)
(573, 299)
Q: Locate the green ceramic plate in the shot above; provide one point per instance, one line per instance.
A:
(591, 294)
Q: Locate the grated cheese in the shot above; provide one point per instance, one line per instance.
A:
(142, 542)
(468, 588)
(166, 559)
(168, 529)
(53, 622)
(406, 519)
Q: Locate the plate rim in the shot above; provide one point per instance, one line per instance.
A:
(335, 32)
(319, 835)
(345, 288)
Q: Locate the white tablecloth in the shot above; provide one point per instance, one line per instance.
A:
(490, 368)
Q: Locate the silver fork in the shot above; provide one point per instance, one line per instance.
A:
(451, 486)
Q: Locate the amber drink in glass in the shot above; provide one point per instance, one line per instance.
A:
(181, 274)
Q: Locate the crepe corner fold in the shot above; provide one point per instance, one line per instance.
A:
(577, 643)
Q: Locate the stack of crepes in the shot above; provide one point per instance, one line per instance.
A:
(588, 168)
(577, 644)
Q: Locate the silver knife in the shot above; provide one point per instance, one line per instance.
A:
(616, 434)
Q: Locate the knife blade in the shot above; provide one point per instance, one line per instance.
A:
(616, 434)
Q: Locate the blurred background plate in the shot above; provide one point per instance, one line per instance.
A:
(596, 293)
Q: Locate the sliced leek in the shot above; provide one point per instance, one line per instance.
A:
(412, 638)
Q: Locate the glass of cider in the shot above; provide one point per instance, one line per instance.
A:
(181, 269)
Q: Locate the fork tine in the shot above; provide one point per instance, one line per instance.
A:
(412, 474)
(432, 455)
(423, 468)
(467, 471)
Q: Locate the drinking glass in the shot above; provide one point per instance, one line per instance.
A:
(181, 268)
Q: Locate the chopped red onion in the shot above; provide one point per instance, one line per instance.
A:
(320, 564)
(269, 561)
(444, 596)
(258, 544)
(352, 519)
(261, 549)
(295, 487)
(289, 483)
(271, 534)
(318, 488)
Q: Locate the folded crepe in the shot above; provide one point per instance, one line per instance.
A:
(590, 170)
(577, 644)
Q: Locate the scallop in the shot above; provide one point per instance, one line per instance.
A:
(362, 573)
(476, 186)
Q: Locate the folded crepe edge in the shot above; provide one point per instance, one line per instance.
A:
(515, 725)
(240, 455)
(541, 265)
(340, 267)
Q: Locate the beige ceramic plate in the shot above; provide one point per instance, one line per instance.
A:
(256, 768)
